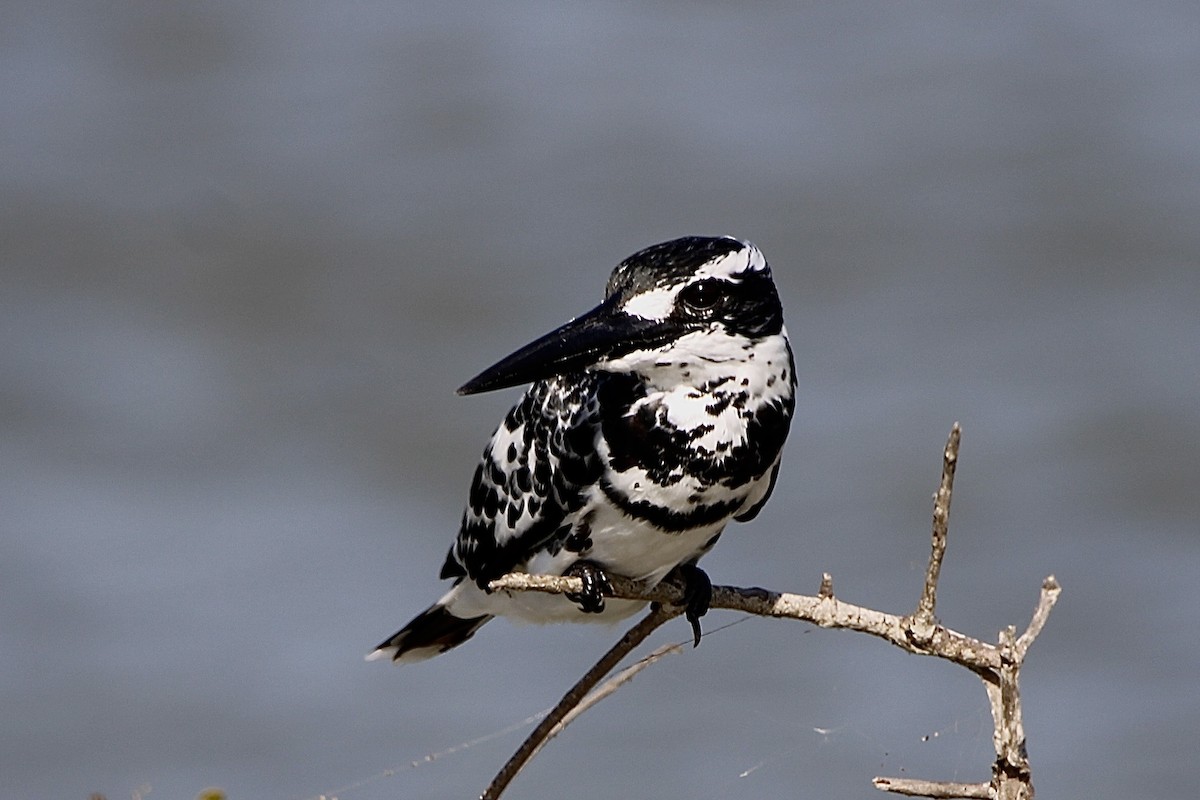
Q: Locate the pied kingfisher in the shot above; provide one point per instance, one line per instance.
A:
(653, 420)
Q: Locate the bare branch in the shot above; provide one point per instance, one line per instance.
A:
(827, 612)
(1011, 778)
(923, 619)
(1050, 592)
(943, 789)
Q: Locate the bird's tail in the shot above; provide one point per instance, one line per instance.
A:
(435, 630)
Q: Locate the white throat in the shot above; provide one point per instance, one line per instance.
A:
(760, 367)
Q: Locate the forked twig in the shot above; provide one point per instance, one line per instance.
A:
(576, 695)
(607, 688)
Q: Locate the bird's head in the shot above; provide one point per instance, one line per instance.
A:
(680, 308)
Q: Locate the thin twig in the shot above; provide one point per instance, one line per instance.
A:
(1050, 592)
(632, 638)
(940, 789)
(924, 617)
(607, 688)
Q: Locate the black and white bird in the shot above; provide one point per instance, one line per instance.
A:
(652, 421)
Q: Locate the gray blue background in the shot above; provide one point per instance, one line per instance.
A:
(249, 251)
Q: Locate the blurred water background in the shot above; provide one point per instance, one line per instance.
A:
(249, 250)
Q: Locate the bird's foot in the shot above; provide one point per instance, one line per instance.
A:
(697, 596)
(595, 586)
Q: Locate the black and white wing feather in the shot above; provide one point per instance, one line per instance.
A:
(532, 478)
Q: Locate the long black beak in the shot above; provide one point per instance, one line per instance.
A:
(602, 332)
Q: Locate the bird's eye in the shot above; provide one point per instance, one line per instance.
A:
(702, 296)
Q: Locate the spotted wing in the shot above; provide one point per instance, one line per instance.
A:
(532, 477)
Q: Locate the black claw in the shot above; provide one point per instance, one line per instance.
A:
(697, 596)
(595, 586)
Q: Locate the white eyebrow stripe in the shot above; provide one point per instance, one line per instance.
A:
(655, 304)
(747, 258)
